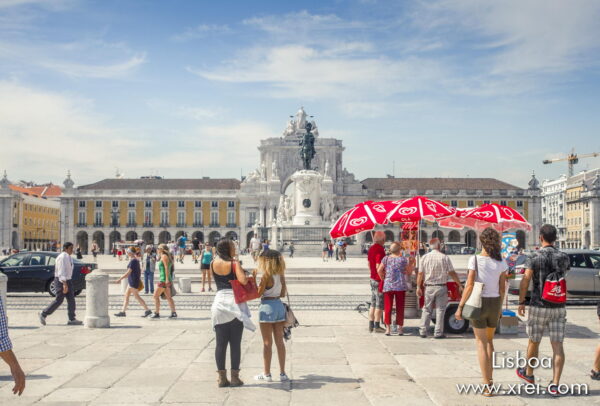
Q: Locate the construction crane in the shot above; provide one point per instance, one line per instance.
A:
(571, 159)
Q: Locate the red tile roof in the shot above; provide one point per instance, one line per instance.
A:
(38, 191)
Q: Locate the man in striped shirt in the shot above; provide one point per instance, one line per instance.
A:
(7, 354)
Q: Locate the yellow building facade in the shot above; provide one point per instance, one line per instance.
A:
(154, 210)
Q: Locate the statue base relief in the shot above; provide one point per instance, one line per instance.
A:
(307, 198)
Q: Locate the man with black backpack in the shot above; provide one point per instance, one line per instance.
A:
(546, 269)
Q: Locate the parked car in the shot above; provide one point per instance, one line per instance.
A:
(583, 279)
(34, 272)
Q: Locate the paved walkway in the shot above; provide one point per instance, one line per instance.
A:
(332, 360)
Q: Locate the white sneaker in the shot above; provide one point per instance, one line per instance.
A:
(264, 377)
(283, 377)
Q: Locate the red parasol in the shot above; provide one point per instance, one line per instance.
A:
(362, 217)
(418, 208)
(501, 218)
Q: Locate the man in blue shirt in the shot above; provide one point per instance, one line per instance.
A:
(8, 356)
(181, 242)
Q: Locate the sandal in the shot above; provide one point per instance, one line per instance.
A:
(595, 375)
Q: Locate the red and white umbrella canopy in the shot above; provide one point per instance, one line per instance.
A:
(362, 217)
(493, 215)
(419, 208)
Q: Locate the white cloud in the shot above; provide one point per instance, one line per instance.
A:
(46, 133)
(201, 31)
(44, 3)
(534, 36)
(104, 71)
(198, 113)
(304, 72)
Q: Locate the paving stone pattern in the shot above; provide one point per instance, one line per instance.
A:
(332, 360)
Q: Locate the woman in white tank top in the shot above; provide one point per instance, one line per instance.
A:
(271, 313)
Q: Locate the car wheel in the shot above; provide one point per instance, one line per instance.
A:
(77, 292)
(50, 288)
(451, 324)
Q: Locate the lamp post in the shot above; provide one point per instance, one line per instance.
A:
(115, 215)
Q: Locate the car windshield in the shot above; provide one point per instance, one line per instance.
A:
(15, 260)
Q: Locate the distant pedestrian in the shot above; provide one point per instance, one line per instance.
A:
(490, 269)
(375, 255)
(544, 314)
(63, 286)
(95, 251)
(330, 250)
(433, 274)
(149, 263)
(181, 247)
(265, 246)
(254, 247)
(133, 275)
(395, 271)
(7, 354)
(228, 318)
(195, 249)
(207, 257)
(324, 249)
(166, 268)
(292, 248)
(272, 312)
(78, 252)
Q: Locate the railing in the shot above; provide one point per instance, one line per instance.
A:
(231, 225)
(214, 225)
(180, 224)
(198, 225)
(81, 224)
(96, 224)
(164, 224)
(134, 224)
(148, 225)
(250, 224)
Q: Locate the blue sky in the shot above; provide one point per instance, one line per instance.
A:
(188, 88)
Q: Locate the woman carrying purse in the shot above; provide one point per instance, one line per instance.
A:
(272, 312)
(228, 317)
(489, 269)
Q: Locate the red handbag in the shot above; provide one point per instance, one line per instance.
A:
(243, 293)
(555, 289)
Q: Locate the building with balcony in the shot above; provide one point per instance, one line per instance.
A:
(583, 210)
(554, 206)
(29, 215)
(152, 209)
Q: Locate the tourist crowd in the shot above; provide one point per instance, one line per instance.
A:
(391, 274)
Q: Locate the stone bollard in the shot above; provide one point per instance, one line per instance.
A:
(3, 282)
(185, 285)
(96, 301)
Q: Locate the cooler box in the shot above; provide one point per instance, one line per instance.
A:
(509, 323)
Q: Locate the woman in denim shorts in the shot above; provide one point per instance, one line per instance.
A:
(271, 313)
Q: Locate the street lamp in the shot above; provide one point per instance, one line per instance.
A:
(115, 215)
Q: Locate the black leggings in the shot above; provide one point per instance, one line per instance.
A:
(229, 333)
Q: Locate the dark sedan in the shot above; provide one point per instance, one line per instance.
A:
(34, 272)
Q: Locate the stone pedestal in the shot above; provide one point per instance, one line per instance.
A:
(3, 282)
(307, 195)
(96, 301)
(185, 285)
